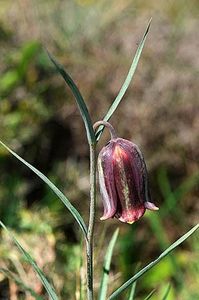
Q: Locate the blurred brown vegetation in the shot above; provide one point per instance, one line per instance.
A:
(95, 41)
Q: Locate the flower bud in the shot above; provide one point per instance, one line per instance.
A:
(123, 181)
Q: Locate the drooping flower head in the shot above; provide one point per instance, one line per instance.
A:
(123, 179)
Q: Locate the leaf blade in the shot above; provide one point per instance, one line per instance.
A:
(50, 290)
(19, 282)
(60, 195)
(166, 292)
(132, 291)
(150, 295)
(79, 100)
(153, 263)
(126, 83)
(106, 266)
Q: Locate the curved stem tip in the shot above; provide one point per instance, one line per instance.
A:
(107, 125)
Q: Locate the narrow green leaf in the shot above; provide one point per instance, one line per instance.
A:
(186, 186)
(60, 195)
(153, 263)
(150, 295)
(79, 99)
(167, 292)
(106, 266)
(49, 288)
(19, 282)
(132, 291)
(126, 83)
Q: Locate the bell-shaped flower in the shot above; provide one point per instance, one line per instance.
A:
(123, 180)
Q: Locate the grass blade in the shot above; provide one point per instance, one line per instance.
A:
(106, 266)
(60, 195)
(149, 295)
(167, 292)
(79, 99)
(153, 263)
(132, 291)
(172, 197)
(49, 288)
(126, 83)
(19, 282)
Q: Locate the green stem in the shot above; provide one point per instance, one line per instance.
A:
(89, 243)
(108, 125)
(91, 224)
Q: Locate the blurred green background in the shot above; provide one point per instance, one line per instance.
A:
(95, 41)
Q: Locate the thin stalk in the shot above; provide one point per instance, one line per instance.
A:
(89, 243)
(90, 240)
(107, 125)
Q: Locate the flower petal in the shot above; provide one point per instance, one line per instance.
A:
(150, 206)
(131, 215)
(107, 182)
(139, 168)
(128, 183)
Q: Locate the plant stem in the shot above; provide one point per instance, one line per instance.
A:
(107, 125)
(91, 224)
(89, 243)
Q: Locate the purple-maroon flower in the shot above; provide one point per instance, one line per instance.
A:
(123, 181)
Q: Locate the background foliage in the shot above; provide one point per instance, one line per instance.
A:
(95, 41)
